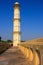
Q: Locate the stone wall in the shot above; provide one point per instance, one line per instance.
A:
(33, 53)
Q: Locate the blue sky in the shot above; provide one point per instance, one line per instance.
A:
(31, 12)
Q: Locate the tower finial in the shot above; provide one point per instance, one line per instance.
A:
(16, 2)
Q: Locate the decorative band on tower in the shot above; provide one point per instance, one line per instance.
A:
(17, 19)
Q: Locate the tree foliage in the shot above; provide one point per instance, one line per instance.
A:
(9, 41)
(0, 38)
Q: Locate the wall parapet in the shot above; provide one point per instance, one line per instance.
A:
(32, 52)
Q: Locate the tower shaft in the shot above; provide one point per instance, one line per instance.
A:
(16, 24)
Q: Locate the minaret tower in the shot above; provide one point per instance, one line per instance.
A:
(16, 24)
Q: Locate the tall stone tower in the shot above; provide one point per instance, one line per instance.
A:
(16, 24)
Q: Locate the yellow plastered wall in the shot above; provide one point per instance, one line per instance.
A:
(27, 53)
(36, 59)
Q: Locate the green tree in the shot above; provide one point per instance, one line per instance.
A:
(0, 38)
(9, 41)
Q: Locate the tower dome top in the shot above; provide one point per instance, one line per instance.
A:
(16, 2)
